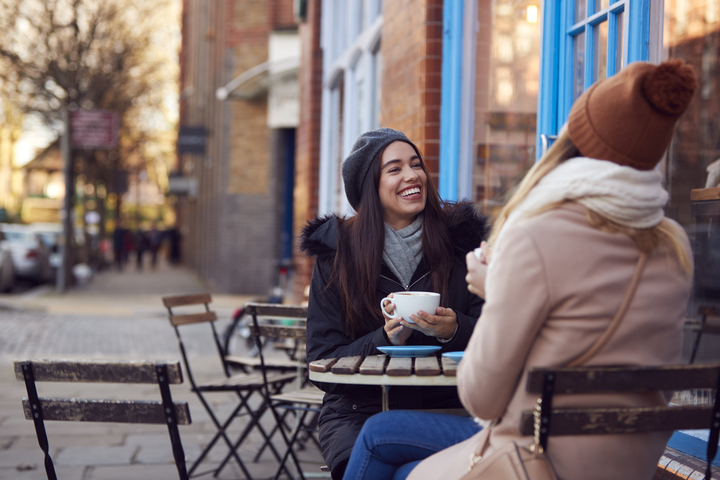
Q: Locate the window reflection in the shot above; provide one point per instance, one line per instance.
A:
(601, 5)
(601, 51)
(620, 50)
(579, 65)
(506, 91)
(580, 10)
(692, 33)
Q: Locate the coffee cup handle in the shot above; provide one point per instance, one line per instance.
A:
(382, 307)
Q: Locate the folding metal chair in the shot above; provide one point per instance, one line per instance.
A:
(114, 411)
(245, 385)
(305, 402)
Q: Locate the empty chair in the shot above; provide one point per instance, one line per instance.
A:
(305, 402)
(245, 385)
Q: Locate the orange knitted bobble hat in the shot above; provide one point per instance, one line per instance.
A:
(630, 117)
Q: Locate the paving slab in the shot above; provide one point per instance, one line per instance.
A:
(37, 472)
(119, 316)
(116, 455)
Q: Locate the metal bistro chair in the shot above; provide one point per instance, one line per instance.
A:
(305, 402)
(547, 382)
(245, 385)
(114, 411)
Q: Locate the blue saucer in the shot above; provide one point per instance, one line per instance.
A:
(410, 350)
(457, 356)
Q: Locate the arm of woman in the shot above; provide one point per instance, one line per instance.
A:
(456, 323)
(326, 336)
(517, 305)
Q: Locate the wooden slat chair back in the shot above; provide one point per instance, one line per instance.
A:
(111, 411)
(206, 316)
(548, 382)
(306, 402)
(245, 384)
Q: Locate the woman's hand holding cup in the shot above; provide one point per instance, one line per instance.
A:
(411, 311)
(477, 270)
(396, 332)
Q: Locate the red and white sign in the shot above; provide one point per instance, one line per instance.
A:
(94, 129)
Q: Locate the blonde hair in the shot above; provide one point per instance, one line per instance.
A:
(646, 239)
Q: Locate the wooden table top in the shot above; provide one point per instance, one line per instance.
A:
(385, 370)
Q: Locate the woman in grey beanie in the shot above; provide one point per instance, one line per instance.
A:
(403, 237)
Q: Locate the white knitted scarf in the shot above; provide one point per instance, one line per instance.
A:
(627, 196)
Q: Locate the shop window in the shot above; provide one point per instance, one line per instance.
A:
(692, 166)
(507, 66)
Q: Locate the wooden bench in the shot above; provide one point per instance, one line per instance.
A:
(548, 382)
(165, 412)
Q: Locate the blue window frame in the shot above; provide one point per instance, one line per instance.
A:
(585, 41)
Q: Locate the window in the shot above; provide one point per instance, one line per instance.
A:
(350, 40)
(507, 65)
(586, 41)
(691, 32)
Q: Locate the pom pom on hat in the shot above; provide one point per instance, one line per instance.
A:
(670, 87)
(630, 117)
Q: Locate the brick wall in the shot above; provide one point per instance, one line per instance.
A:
(307, 153)
(230, 235)
(412, 63)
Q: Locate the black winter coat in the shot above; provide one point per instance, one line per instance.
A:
(346, 407)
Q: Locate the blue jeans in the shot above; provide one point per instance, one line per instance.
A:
(392, 443)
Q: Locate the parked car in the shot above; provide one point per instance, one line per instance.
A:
(7, 267)
(29, 254)
(50, 234)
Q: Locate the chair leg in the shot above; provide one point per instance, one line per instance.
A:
(271, 434)
(221, 434)
(289, 450)
(254, 422)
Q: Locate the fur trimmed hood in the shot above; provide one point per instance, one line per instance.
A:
(467, 229)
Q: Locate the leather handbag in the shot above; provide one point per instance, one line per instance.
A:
(515, 462)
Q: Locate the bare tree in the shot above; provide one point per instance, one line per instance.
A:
(93, 54)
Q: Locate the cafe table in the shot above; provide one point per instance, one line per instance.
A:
(385, 371)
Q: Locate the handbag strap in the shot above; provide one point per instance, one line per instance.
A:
(584, 357)
(610, 331)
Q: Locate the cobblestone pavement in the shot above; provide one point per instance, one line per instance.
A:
(117, 316)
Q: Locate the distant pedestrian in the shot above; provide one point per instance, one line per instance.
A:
(154, 241)
(119, 245)
(128, 244)
(141, 243)
(174, 238)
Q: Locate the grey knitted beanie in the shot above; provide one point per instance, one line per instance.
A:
(356, 165)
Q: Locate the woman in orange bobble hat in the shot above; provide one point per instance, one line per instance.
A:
(585, 219)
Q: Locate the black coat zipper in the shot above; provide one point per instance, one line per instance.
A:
(408, 287)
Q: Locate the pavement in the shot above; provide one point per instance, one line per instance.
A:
(118, 315)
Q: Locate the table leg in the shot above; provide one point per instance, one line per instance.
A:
(385, 393)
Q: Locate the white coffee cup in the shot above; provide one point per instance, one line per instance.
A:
(409, 303)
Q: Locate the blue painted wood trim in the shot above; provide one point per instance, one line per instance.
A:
(450, 97)
(638, 13)
(549, 68)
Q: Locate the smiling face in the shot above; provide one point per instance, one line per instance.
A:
(402, 188)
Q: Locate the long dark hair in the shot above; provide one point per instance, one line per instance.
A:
(360, 247)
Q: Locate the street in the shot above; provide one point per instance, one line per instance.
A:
(116, 316)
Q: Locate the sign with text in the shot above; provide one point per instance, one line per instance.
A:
(191, 140)
(94, 129)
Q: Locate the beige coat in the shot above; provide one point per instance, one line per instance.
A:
(557, 285)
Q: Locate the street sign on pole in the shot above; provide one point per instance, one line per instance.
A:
(94, 129)
(191, 140)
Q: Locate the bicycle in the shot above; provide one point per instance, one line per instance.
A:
(237, 335)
